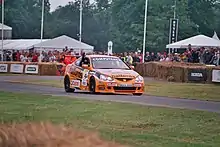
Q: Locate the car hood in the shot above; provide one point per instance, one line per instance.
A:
(118, 73)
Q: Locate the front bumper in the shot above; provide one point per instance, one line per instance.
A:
(119, 88)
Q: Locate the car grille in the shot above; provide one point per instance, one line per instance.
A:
(124, 79)
(124, 88)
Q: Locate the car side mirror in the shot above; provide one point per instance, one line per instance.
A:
(86, 66)
(132, 67)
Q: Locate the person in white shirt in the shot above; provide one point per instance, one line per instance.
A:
(162, 58)
(22, 59)
(52, 58)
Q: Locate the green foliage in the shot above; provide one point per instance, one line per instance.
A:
(120, 21)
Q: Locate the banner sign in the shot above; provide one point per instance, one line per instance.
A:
(173, 30)
(197, 75)
(17, 68)
(216, 76)
(3, 68)
(31, 69)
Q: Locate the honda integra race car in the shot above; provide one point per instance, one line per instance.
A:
(102, 74)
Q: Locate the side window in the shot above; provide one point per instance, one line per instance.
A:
(86, 61)
(77, 63)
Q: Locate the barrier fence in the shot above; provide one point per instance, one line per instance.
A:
(42, 69)
(180, 72)
(176, 72)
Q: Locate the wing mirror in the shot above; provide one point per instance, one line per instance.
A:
(132, 67)
(86, 66)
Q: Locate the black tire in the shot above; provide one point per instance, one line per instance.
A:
(138, 94)
(92, 86)
(67, 85)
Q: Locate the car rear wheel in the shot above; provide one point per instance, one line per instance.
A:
(67, 85)
(138, 94)
(92, 86)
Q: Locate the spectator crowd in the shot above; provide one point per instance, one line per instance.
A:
(202, 55)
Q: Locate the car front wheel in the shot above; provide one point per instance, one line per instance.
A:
(92, 86)
(67, 85)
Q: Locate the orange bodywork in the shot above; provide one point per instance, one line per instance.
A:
(118, 81)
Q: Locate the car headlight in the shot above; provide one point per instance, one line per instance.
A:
(139, 79)
(105, 78)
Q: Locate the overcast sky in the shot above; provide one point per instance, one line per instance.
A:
(56, 3)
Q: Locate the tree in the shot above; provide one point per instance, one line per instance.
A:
(120, 21)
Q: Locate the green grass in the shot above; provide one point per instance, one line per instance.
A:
(184, 90)
(160, 88)
(131, 124)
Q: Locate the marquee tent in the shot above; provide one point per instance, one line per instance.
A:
(20, 44)
(5, 27)
(62, 42)
(215, 36)
(196, 41)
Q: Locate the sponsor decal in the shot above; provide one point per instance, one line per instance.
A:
(3, 67)
(125, 85)
(105, 59)
(112, 84)
(216, 76)
(121, 75)
(31, 69)
(137, 85)
(17, 68)
(75, 83)
(197, 75)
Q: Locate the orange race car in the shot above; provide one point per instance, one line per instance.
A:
(102, 74)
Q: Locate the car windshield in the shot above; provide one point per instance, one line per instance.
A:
(108, 63)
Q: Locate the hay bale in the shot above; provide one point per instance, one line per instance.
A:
(49, 69)
(150, 69)
(139, 68)
(48, 135)
(179, 71)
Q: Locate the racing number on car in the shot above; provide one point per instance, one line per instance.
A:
(85, 77)
(75, 83)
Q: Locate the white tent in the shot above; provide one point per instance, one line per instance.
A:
(196, 41)
(20, 44)
(215, 36)
(62, 42)
(5, 27)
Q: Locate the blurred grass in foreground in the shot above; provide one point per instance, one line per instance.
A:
(131, 124)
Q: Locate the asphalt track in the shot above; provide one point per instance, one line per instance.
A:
(142, 100)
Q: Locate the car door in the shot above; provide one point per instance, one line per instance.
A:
(85, 73)
(75, 75)
(78, 70)
(80, 73)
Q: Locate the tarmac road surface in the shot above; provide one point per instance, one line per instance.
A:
(142, 100)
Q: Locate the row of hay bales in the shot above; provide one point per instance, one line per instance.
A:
(44, 69)
(174, 71)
